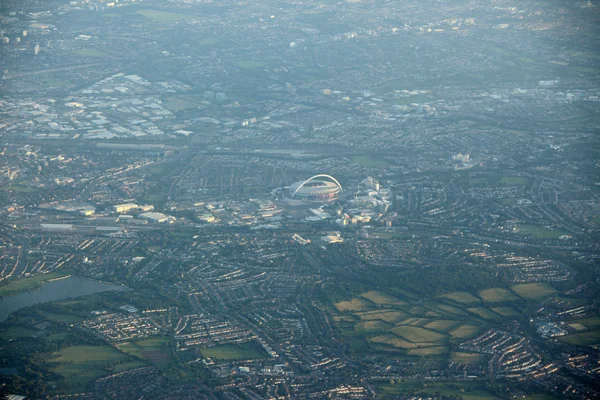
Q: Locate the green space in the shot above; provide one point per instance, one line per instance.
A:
(29, 283)
(460, 297)
(467, 358)
(81, 364)
(15, 332)
(370, 162)
(163, 16)
(506, 312)
(90, 53)
(484, 313)
(355, 304)
(590, 338)
(428, 351)
(242, 351)
(441, 325)
(372, 326)
(589, 323)
(417, 334)
(156, 350)
(392, 340)
(381, 298)
(464, 390)
(533, 291)
(63, 318)
(250, 64)
(465, 332)
(540, 232)
(497, 295)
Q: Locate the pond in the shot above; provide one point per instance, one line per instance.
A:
(58, 289)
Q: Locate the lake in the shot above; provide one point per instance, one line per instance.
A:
(60, 289)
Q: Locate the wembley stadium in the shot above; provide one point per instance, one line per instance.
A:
(316, 188)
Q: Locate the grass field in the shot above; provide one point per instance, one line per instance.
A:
(81, 364)
(14, 332)
(370, 162)
(31, 282)
(90, 53)
(484, 313)
(533, 291)
(384, 315)
(156, 350)
(590, 323)
(428, 351)
(460, 297)
(464, 390)
(441, 325)
(451, 309)
(465, 331)
(417, 334)
(467, 358)
(372, 326)
(506, 312)
(393, 340)
(243, 351)
(497, 295)
(380, 298)
(540, 232)
(353, 305)
(163, 16)
(590, 338)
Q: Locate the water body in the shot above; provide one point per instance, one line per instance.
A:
(60, 289)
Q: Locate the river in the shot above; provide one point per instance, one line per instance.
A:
(58, 289)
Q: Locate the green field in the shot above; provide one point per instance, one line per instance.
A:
(464, 390)
(428, 351)
(29, 283)
(417, 334)
(163, 16)
(353, 305)
(533, 291)
(441, 325)
(81, 364)
(14, 332)
(467, 358)
(497, 295)
(540, 232)
(506, 312)
(380, 298)
(465, 332)
(242, 351)
(590, 338)
(157, 350)
(372, 326)
(589, 323)
(461, 297)
(370, 162)
(484, 313)
(393, 340)
(90, 53)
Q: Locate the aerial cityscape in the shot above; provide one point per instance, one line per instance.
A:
(299, 199)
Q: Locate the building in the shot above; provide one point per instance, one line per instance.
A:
(121, 208)
(316, 189)
(155, 217)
